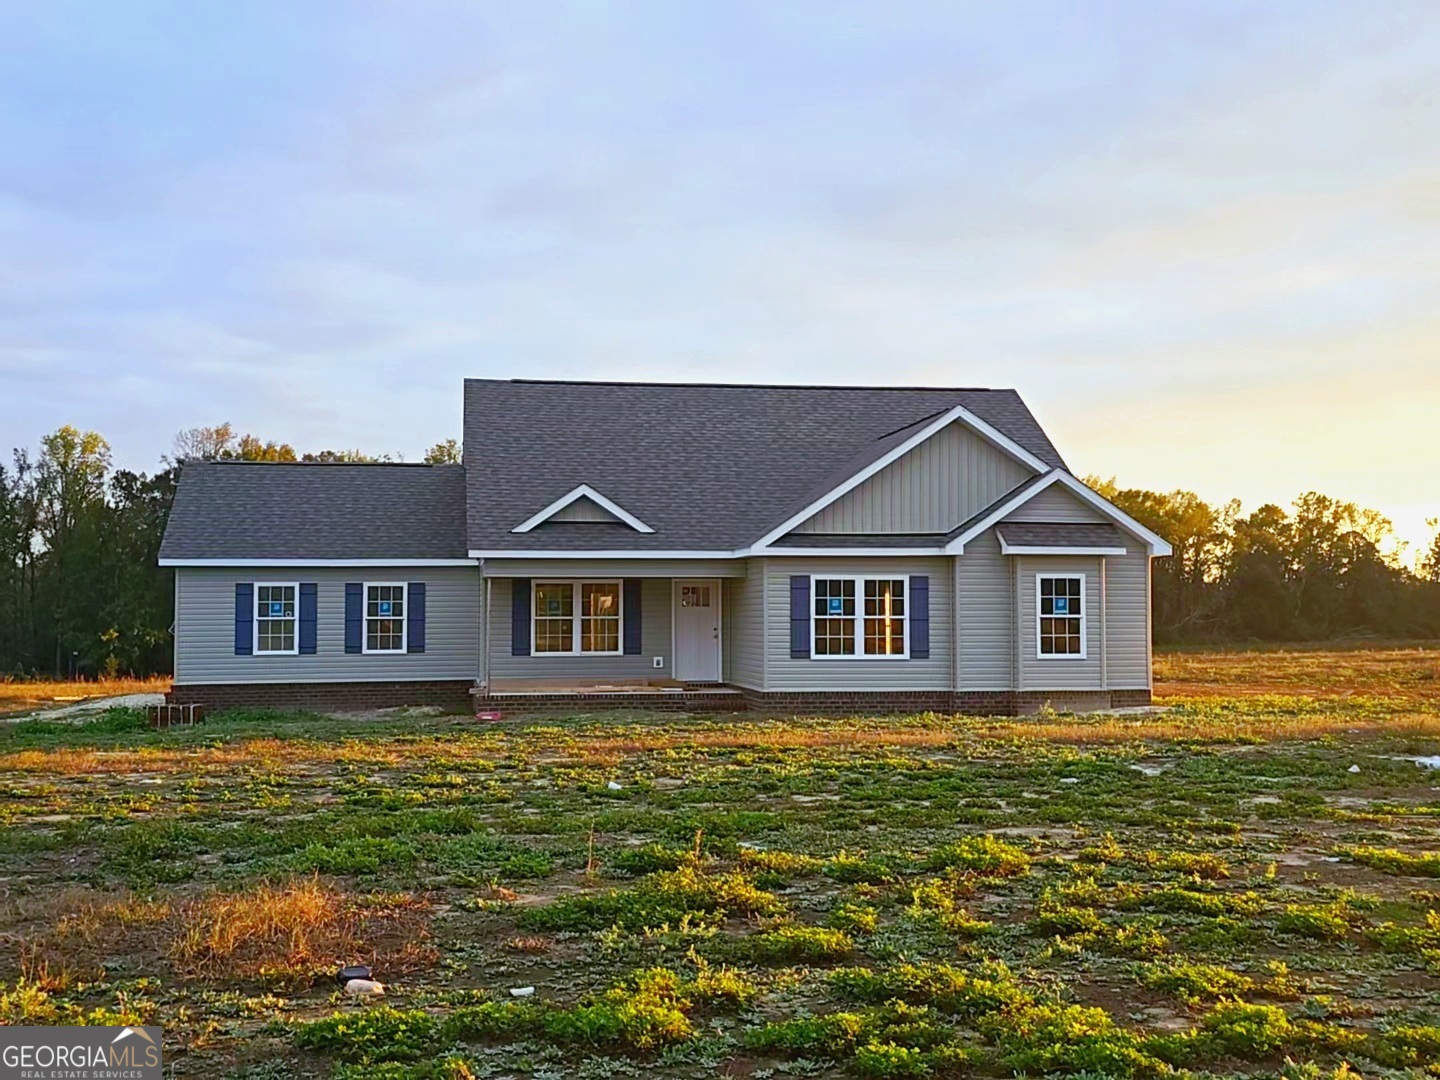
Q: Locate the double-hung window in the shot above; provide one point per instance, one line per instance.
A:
(1060, 616)
(573, 617)
(385, 618)
(275, 619)
(861, 617)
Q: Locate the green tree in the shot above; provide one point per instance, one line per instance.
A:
(443, 453)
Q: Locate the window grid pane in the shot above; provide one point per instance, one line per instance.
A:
(600, 617)
(885, 617)
(275, 618)
(385, 618)
(1060, 616)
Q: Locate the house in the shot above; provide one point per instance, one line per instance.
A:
(671, 546)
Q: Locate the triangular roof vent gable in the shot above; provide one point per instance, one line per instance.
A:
(579, 498)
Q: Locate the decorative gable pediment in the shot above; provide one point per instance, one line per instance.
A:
(583, 504)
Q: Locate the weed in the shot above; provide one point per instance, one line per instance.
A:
(1392, 861)
(801, 945)
(949, 989)
(1192, 982)
(660, 899)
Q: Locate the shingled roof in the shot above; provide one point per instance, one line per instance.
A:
(708, 467)
(266, 510)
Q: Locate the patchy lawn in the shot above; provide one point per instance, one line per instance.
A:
(1211, 888)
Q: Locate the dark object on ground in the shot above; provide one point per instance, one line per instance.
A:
(354, 971)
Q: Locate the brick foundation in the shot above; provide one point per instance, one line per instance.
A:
(970, 702)
(452, 696)
(460, 697)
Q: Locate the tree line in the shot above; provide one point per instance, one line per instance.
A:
(81, 591)
(80, 588)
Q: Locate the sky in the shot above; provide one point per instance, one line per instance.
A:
(1202, 240)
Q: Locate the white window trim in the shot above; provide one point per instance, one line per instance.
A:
(404, 588)
(576, 616)
(255, 587)
(1084, 617)
(858, 621)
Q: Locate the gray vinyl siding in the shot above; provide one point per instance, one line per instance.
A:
(1056, 504)
(1127, 626)
(1065, 673)
(654, 640)
(986, 605)
(583, 510)
(784, 674)
(744, 630)
(581, 567)
(205, 628)
(942, 482)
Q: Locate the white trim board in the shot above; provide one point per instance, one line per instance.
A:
(1056, 549)
(959, 412)
(1157, 544)
(584, 491)
(279, 563)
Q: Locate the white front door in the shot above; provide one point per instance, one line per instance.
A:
(697, 630)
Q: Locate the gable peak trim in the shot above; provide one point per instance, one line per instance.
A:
(1157, 544)
(584, 491)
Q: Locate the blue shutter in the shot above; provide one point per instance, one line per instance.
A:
(415, 617)
(800, 617)
(244, 619)
(354, 616)
(308, 614)
(520, 617)
(630, 616)
(919, 617)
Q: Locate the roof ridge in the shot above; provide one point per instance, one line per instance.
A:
(749, 386)
(328, 464)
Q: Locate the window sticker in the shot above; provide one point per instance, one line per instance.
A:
(1062, 605)
(384, 607)
(837, 605)
(277, 607)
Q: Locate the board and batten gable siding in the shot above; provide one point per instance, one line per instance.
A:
(985, 602)
(744, 629)
(783, 674)
(1067, 673)
(205, 627)
(1127, 626)
(1056, 504)
(942, 482)
(654, 638)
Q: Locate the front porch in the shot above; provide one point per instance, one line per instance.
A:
(664, 695)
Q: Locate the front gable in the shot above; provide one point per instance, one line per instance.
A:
(583, 505)
(935, 486)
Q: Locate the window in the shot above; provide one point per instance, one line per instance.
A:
(859, 617)
(1060, 615)
(384, 618)
(275, 619)
(558, 630)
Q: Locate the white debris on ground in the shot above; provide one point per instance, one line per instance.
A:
(1353, 768)
(85, 709)
(1069, 780)
(613, 786)
(1149, 770)
(359, 988)
(522, 991)
(1426, 762)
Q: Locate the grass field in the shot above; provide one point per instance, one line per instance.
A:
(1244, 884)
(23, 697)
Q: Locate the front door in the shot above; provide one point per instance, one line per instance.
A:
(697, 630)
